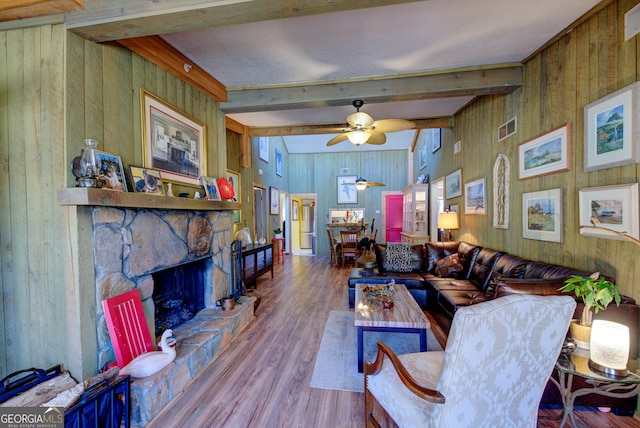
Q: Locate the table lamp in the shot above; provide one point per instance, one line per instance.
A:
(448, 220)
(609, 348)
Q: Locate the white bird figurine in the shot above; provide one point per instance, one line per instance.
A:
(153, 361)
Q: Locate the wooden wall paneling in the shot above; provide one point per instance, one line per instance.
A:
(133, 154)
(111, 80)
(93, 103)
(6, 259)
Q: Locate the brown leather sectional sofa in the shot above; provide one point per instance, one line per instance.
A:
(487, 274)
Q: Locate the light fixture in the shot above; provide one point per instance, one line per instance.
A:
(361, 184)
(609, 348)
(358, 137)
(448, 220)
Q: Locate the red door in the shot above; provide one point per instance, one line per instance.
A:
(393, 207)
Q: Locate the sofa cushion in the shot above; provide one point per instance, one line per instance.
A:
(438, 250)
(449, 266)
(416, 258)
(550, 271)
(510, 266)
(483, 266)
(539, 287)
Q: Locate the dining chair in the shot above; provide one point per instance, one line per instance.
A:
(333, 247)
(349, 244)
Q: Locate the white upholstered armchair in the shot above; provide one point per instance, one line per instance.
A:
(498, 358)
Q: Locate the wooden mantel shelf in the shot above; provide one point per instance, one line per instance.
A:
(110, 198)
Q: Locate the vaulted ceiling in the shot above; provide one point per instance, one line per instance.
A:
(291, 66)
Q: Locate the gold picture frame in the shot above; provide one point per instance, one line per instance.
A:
(173, 141)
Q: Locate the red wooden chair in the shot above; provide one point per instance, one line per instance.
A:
(127, 326)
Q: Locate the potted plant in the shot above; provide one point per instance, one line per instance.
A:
(277, 233)
(596, 293)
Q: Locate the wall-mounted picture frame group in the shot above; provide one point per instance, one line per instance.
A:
(111, 171)
(545, 154)
(475, 197)
(613, 207)
(173, 141)
(146, 181)
(346, 189)
(611, 133)
(278, 163)
(542, 215)
(453, 184)
(274, 200)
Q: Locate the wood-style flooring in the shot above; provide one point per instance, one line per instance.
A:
(262, 379)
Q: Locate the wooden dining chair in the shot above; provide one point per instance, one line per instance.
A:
(349, 244)
(334, 248)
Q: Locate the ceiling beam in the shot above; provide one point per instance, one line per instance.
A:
(502, 79)
(285, 131)
(20, 9)
(157, 51)
(102, 21)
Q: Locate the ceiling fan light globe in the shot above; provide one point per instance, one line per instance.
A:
(361, 184)
(360, 119)
(358, 137)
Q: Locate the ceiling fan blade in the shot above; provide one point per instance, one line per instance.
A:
(360, 119)
(373, 183)
(337, 139)
(377, 138)
(393, 125)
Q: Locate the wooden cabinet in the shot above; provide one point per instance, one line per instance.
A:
(415, 214)
(257, 259)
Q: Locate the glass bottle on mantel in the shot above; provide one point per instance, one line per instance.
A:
(170, 190)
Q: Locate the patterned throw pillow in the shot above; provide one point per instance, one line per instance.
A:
(449, 266)
(398, 257)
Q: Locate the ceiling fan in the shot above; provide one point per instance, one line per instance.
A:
(362, 183)
(364, 129)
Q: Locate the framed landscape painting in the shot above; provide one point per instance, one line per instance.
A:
(611, 131)
(173, 142)
(546, 154)
(475, 200)
(453, 184)
(611, 207)
(542, 215)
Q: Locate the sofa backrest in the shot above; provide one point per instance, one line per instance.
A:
(417, 258)
(509, 266)
(439, 250)
(483, 265)
(550, 271)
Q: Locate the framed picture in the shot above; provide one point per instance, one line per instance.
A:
(346, 189)
(274, 196)
(542, 215)
(423, 156)
(263, 148)
(111, 171)
(546, 154)
(611, 133)
(436, 139)
(453, 184)
(613, 207)
(173, 142)
(278, 162)
(234, 179)
(210, 185)
(146, 181)
(295, 209)
(475, 200)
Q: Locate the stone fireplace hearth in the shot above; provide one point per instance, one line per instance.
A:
(116, 242)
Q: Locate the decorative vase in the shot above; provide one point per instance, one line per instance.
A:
(169, 190)
(277, 235)
(368, 261)
(580, 334)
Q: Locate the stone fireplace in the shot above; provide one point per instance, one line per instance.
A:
(123, 241)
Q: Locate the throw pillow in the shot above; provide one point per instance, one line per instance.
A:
(449, 266)
(398, 257)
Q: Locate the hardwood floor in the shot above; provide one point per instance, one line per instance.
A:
(263, 379)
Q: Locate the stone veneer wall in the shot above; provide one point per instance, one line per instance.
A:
(131, 244)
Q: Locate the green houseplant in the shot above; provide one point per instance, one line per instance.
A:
(596, 293)
(277, 233)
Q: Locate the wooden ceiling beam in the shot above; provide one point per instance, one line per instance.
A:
(502, 79)
(103, 21)
(156, 50)
(21, 9)
(284, 131)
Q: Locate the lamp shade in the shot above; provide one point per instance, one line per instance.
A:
(609, 347)
(448, 220)
(358, 137)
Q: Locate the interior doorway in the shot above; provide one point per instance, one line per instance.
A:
(436, 203)
(260, 204)
(304, 229)
(393, 217)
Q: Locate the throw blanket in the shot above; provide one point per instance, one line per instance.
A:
(398, 257)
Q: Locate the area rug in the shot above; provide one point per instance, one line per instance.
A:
(337, 360)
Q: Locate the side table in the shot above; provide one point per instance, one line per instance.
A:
(577, 364)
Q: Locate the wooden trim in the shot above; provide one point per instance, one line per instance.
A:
(245, 140)
(21, 9)
(157, 51)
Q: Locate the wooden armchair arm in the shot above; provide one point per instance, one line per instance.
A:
(372, 368)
